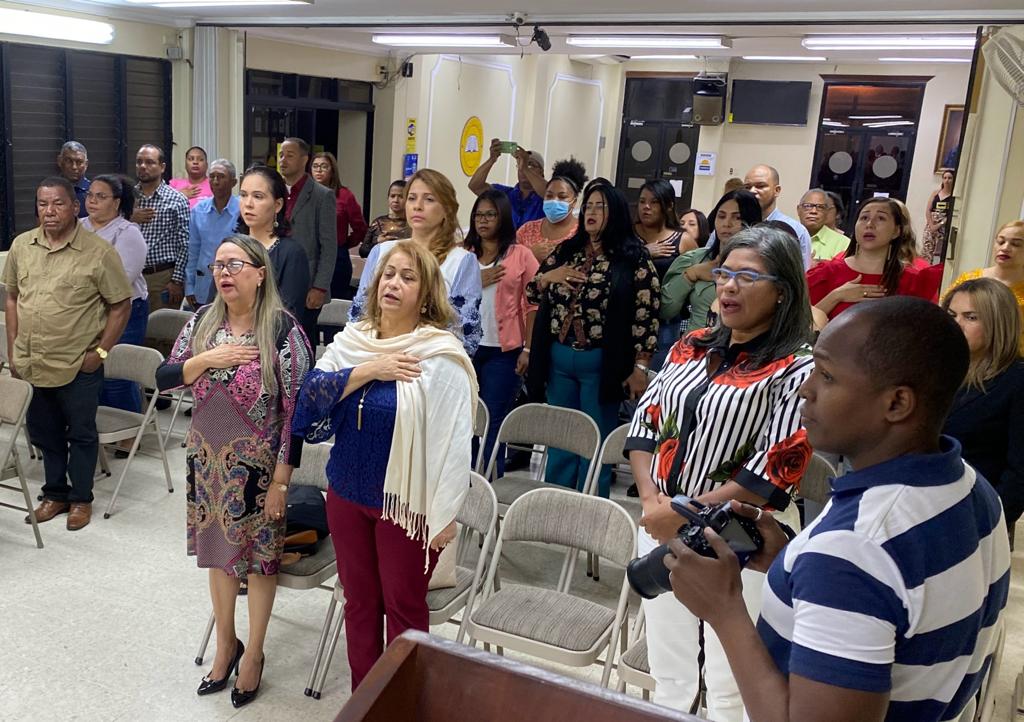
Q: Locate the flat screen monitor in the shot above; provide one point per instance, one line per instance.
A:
(770, 102)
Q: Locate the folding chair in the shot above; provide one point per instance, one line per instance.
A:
(552, 427)
(611, 453)
(310, 572)
(633, 667)
(333, 315)
(481, 422)
(4, 363)
(815, 489)
(137, 364)
(554, 624)
(15, 396)
(164, 326)
(478, 514)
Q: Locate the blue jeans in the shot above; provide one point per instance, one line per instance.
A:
(119, 393)
(668, 334)
(575, 383)
(499, 386)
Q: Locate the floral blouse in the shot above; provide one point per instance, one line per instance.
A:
(578, 314)
(740, 424)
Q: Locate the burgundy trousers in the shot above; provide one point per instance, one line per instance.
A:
(381, 572)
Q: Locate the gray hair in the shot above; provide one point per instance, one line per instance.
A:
(822, 191)
(791, 324)
(73, 146)
(537, 157)
(226, 165)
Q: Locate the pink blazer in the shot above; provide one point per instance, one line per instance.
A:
(510, 306)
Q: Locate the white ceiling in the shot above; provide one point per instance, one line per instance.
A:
(754, 27)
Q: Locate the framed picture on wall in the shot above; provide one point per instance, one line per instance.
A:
(948, 152)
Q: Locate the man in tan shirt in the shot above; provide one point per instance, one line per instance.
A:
(68, 300)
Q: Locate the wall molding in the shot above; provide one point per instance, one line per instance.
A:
(566, 77)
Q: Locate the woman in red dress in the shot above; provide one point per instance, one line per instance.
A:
(881, 261)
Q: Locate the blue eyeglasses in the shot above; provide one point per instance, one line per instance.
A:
(744, 279)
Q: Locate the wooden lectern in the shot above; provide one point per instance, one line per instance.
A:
(425, 678)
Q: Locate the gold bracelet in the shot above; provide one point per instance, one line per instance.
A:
(283, 488)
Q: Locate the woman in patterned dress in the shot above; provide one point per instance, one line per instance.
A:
(244, 358)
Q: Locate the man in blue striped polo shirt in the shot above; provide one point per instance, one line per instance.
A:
(886, 606)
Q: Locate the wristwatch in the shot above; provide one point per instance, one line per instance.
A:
(101, 352)
(283, 488)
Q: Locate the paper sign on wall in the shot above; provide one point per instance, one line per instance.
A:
(410, 164)
(471, 145)
(706, 163)
(410, 135)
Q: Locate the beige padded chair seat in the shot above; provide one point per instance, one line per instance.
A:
(313, 564)
(112, 421)
(636, 656)
(512, 486)
(545, 616)
(440, 598)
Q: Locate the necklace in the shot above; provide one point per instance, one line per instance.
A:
(359, 408)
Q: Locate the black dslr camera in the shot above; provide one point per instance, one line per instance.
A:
(648, 575)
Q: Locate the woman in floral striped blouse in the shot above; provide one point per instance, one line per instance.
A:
(721, 421)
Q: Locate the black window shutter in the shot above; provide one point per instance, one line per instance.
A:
(95, 110)
(148, 94)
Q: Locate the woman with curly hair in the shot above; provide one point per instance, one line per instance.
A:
(721, 421)
(559, 222)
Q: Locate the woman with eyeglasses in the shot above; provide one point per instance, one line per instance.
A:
(109, 203)
(559, 222)
(597, 324)
(505, 317)
(880, 261)
(262, 195)
(244, 358)
(721, 421)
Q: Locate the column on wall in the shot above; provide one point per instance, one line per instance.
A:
(205, 91)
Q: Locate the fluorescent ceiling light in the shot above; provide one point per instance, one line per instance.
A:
(215, 3)
(442, 41)
(889, 123)
(663, 57)
(924, 60)
(55, 27)
(788, 58)
(874, 117)
(835, 124)
(888, 42)
(681, 42)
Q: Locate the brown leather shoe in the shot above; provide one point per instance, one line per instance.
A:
(81, 515)
(48, 509)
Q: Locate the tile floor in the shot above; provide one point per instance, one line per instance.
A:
(103, 624)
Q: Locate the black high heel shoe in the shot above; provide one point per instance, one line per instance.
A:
(209, 686)
(240, 698)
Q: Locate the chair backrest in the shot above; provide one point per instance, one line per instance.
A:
(555, 427)
(137, 364)
(15, 395)
(165, 324)
(559, 516)
(814, 486)
(3, 345)
(312, 471)
(482, 420)
(334, 313)
(614, 443)
(479, 509)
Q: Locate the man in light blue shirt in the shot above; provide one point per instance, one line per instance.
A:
(212, 220)
(763, 182)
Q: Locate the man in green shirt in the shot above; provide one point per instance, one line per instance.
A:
(826, 243)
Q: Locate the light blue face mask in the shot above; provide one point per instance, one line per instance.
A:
(556, 210)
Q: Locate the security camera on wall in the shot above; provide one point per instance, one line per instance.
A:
(709, 99)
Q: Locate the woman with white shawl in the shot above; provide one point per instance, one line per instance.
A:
(397, 392)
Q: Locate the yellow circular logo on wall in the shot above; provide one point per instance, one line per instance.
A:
(471, 145)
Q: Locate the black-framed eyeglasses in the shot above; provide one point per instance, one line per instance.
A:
(744, 279)
(816, 207)
(485, 215)
(233, 267)
(90, 196)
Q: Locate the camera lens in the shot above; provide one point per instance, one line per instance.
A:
(648, 574)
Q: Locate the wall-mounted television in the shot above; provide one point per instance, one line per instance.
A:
(770, 102)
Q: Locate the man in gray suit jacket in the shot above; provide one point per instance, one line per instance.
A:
(312, 212)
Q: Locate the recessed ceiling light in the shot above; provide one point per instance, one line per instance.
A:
(681, 42)
(788, 58)
(663, 57)
(55, 27)
(888, 42)
(925, 60)
(443, 41)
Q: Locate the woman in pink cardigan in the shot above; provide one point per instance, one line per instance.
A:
(507, 320)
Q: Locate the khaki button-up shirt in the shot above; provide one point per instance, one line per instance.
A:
(63, 297)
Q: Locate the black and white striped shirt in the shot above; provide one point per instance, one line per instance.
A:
(742, 424)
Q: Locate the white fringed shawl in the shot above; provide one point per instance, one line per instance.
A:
(428, 468)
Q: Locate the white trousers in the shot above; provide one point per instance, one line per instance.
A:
(673, 646)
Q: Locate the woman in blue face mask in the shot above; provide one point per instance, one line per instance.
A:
(560, 221)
